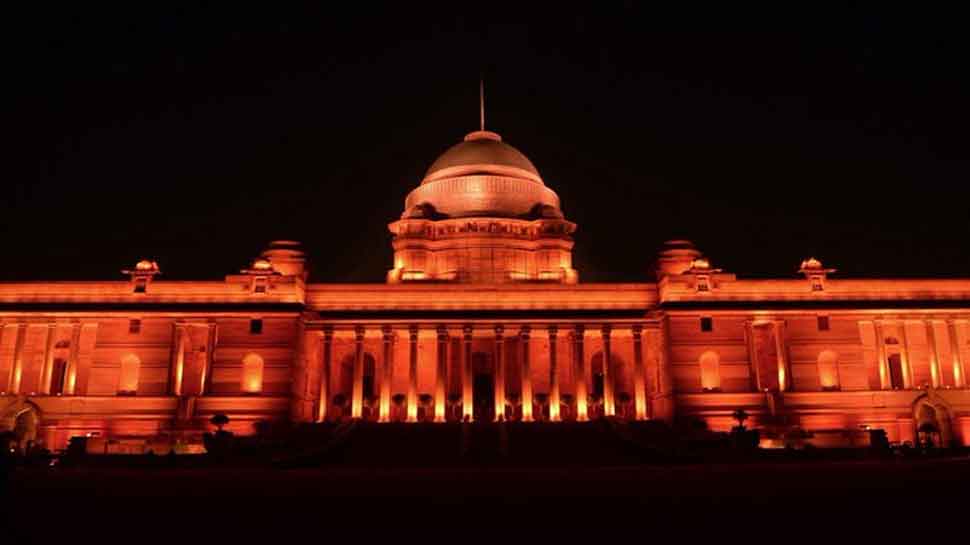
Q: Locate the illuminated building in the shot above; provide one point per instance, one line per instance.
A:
(482, 314)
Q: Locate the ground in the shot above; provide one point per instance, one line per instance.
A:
(868, 497)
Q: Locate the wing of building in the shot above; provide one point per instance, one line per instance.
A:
(482, 317)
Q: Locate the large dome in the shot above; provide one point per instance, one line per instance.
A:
(481, 152)
(482, 176)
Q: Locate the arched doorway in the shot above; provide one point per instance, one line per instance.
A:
(22, 422)
(932, 423)
(483, 387)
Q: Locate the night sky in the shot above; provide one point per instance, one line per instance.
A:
(193, 136)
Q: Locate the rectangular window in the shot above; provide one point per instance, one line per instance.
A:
(707, 324)
(823, 323)
(255, 326)
(260, 285)
(140, 285)
(816, 284)
(134, 326)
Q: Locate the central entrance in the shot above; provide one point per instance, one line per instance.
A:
(483, 388)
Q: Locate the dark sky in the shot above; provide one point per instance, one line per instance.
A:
(195, 135)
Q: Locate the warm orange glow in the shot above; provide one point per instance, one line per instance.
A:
(828, 370)
(71, 380)
(252, 374)
(582, 405)
(710, 374)
(17, 375)
(130, 369)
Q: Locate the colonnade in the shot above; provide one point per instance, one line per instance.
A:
(502, 371)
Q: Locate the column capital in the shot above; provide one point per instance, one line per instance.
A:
(637, 330)
(442, 333)
(499, 332)
(553, 331)
(386, 333)
(359, 333)
(328, 333)
(467, 330)
(580, 330)
(413, 332)
(605, 330)
(525, 331)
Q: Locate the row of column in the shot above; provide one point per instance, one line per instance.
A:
(937, 366)
(499, 373)
(25, 347)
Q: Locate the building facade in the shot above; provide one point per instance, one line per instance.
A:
(483, 317)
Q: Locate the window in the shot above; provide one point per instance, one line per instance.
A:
(255, 326)
(134, 326)
(128, 377)
(816, 283)
(823, 323)
(141, 285)
(259, 285)
(58, 374)
(828, 370)
(707, 324)
(896, 372)
(710, 374)
(702, 284)
(252, 375)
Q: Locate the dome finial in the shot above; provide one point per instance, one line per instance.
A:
(481, 103)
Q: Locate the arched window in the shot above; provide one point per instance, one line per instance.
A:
(252, 374)
(128, 377)
(828, 370)
(710, 374)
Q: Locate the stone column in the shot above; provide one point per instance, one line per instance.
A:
(884, 379)
(178, 360)
(526, 374)
(935, 374)
(413, 373)
(753, 367)
(959, 377)
(579, 374)
(210, 346)
(70, 373)
(325, 375)
(639, 382)
(439, 379)
(357, 395)
(609, 403)
(47, 366)
(17, 369)
(553, 376)
(385, 402)
(781, 352)
(87, 340)
(904, 356)
(499, 373)
(467, 392)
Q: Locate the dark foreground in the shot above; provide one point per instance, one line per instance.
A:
(750, 502)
